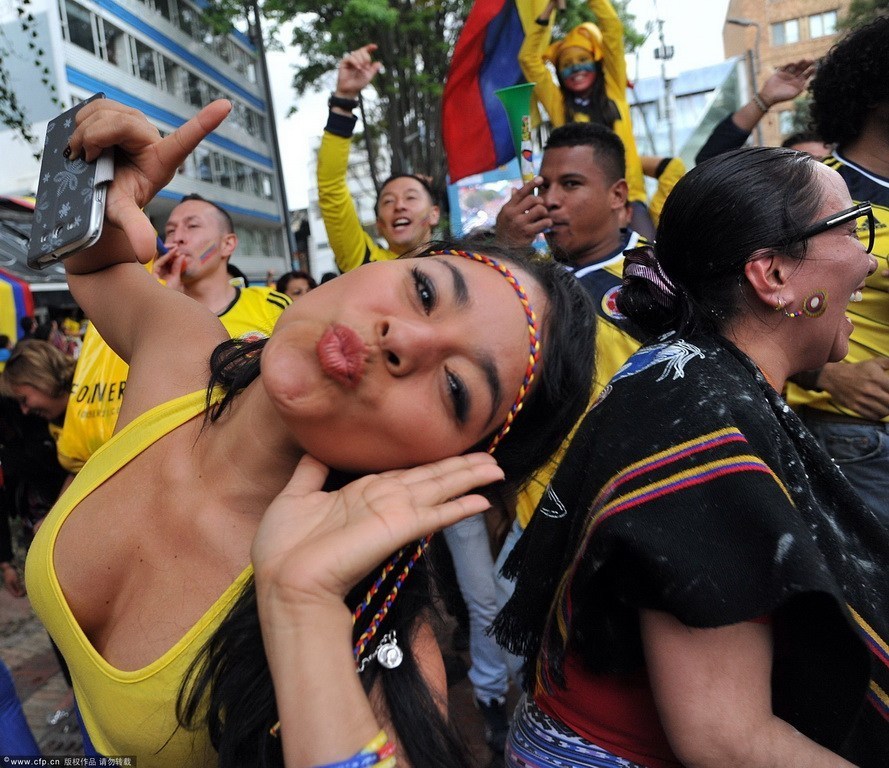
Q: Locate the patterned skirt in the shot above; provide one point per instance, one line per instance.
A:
(538, 741)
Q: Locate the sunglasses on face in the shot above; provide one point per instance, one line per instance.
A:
(859, 211)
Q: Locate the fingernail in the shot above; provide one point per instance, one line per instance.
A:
(67, 152)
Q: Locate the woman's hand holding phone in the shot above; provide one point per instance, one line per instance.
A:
(145, 163)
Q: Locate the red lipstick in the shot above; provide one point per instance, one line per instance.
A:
(342, 353)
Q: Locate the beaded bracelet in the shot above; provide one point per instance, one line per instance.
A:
(760, 103)
(379, 753)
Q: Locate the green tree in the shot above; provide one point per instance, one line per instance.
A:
(862, 11)
(415, 38)
(12, 112)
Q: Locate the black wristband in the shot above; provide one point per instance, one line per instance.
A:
(340, 125)
(340, 103)
(541, 22)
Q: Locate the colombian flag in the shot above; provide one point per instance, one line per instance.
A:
(16, 302)
(475, 130)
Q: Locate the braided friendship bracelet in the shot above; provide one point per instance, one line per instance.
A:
(379, 753)
(760, 103)
(530, 371)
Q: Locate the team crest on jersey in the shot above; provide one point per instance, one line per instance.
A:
(251, 336)
(609, 303)
(674, 357)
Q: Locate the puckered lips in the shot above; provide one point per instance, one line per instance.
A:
(342, 354)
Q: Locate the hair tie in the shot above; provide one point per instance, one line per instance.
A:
(641, 262)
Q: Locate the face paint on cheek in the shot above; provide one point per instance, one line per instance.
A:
(574, 69)
(211, 249)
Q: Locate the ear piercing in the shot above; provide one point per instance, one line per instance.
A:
(814, 305)
(780, 308)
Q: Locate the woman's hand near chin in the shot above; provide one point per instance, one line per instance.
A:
(144, 163)
(313, 545)
(309, 550)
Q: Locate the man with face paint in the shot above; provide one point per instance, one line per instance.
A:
(406, 208)
(592, 85)
(199, 240)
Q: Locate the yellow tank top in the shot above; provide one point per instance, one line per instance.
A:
(126, 713)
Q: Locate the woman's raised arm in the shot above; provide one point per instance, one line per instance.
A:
(144, 322)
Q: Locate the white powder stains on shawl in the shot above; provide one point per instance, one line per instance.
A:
(784, 545)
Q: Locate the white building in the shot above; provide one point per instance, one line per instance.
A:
(158, 56)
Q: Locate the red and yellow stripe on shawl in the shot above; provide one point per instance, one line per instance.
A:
(612, 500)
(880, 649)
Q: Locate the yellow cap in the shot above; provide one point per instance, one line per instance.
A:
(587, 36)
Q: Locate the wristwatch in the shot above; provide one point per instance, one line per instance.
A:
(340, 103)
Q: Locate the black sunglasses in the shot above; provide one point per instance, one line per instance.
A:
(837, 219)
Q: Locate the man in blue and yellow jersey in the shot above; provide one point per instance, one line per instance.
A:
(581, 206)
(846, 404)
(406, 208)
(199, 239)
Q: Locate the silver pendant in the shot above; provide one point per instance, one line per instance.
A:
(388, 653)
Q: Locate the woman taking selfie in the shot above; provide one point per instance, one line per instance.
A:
(706, 588)
(393, 365)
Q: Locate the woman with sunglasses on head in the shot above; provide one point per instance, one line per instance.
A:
(721, 595)
(393, 365)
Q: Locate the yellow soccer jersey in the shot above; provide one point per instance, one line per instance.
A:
(100, 377)
(616, 340)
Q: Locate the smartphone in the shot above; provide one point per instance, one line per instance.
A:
(70, 205)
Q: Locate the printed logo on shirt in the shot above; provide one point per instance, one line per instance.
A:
(609, 304)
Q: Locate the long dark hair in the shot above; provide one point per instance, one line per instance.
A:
(714, 220)
(229, 688)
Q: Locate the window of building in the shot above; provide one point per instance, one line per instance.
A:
(79, 26)
(197, 96)
(242, 178)
(785, 32)
(112, 43)
(823, 24)
(222, 170)
(202, 162)
(174, 78)
(144, 64)
(163, 7)
(186, 18)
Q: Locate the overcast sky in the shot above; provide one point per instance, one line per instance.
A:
(692, 27)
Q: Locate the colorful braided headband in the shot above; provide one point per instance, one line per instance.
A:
(533, 360)
(533, 333)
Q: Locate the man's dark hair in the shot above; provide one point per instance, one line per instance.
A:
(608, 149)
(227, 223)
(850, 81)
(424, 182)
